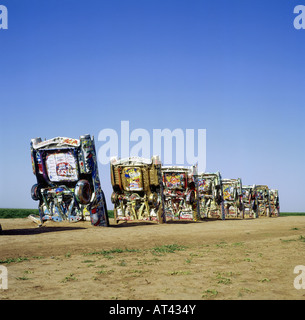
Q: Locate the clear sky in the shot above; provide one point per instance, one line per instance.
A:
(235, 68)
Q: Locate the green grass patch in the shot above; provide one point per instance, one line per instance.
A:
(223, 280)
(107, 253)
(12, 260)
(292, 214)
(180, 272)
(210, 293)
(302, 238)
(69, 278)
(110, 214)
(22, 278)
(16, 213)
(170, 248)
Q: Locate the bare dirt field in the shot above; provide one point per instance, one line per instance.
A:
(232, 259)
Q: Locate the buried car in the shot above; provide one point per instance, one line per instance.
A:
(137, 189)
(180, 198)
(232, 197)
(249, 201)
(68, 185)
(274, 202)
(210, 195)
(263, 200)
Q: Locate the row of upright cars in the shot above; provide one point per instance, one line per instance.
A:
(68, 188)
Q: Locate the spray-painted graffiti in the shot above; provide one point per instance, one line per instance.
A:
(134, 178)
(210, 195)
(180, 201)
(175, 180)
(232, 196)
(68, 185)
(61, 167)
(263, 201)
(137, 189)
(274, 202)
(250, 201)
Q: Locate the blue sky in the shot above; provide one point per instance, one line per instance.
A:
(235, 68)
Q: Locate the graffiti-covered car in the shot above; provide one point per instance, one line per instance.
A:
(68, 185)
(232, 197)
(180, 199)
(263, 201)
(274, 202)
(249, 201)
(137, 189)
(210, 195)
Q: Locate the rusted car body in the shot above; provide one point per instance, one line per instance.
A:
(249, 201)
(274, 202)
(210, 195)
(232, 197)
(263, 200)
(137, 189)
(180, 198)
(68, 187)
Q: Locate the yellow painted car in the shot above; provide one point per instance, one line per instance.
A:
(137, 189)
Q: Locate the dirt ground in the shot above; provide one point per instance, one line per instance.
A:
(232, 259)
